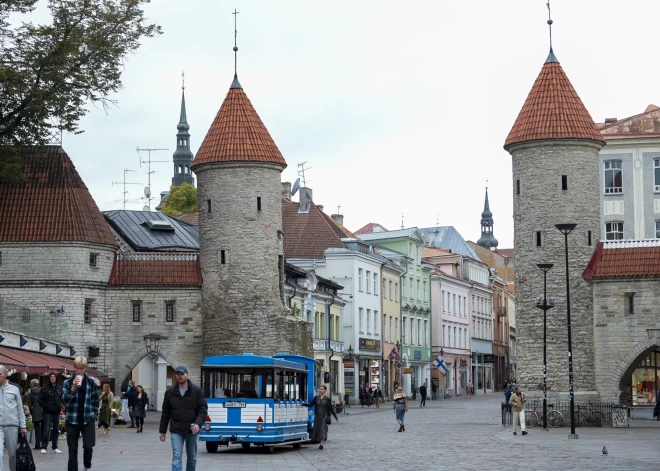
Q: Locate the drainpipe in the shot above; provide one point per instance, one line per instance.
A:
(332, 352)
(295, 290)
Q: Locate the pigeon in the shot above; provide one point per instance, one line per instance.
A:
(604, 450)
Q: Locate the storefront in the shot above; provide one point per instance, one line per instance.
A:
(643, 385)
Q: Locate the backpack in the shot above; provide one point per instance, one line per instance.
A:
(24, 460)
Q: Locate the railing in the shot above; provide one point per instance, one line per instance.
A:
(587, 414)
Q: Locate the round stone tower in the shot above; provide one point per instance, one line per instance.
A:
(554, 144)
(238, 169)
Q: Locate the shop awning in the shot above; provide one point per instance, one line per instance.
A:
(40, 363)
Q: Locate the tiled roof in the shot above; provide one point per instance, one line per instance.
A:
(510, 253)
(553, 110)
(645, 124)
(624, 259)
(189, 218)
(369, 228)
(156, 269)
(52, 205)
(308, 235)
(237, 134)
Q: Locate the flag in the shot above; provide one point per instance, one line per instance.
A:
(440, 363)
(394, 355)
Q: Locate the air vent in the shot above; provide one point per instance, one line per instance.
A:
(160, 225)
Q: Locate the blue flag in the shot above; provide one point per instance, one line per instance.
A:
(440, 363)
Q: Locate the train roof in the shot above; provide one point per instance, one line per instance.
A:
(249, 359)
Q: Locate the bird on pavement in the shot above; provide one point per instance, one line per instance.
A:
(604, 450)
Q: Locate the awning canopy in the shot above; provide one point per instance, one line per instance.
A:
(40, 363)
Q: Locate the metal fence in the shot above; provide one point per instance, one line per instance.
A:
(587, 414)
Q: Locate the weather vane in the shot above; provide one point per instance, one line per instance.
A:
(183, 80)
(235, 46)
(550, 23)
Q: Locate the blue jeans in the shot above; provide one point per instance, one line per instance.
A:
(178, 440)
(51, 430)
(400, 413)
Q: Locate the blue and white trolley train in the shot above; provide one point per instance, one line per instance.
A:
(258, 400)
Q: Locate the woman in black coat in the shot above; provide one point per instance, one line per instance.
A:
(322, 415)
(140, 408)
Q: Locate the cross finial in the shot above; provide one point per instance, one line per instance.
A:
(486, 183)
(235, 46)
(183, 80)
(550, 23)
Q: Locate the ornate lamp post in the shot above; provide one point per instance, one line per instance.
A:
(545, 304)
(566, 229)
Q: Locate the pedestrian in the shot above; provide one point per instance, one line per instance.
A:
(140, 408)
(80, 395)
(12, 418)
(105, 413)
(367, 395)
(509, 389)
(321, 415)
(434, 391)
(470, 389)
(184, 411)
(422, 392)
(347, 400)
(517, 402)
(131, 393)
(378, 396)
(401, 405)
(50, 400)
(36, 411)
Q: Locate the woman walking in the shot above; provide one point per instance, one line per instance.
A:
(321, 415)
(106, 400)
(140, 409)
(470, 389)
(401, 406)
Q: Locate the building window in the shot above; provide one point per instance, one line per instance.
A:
(258, 203)
(613, 177)
(360, 279)
(376, 322)
(443, 302)
(361, 320)
(389, 285)
(419, 297)
(444, 336)
(614, 231)
(464, 307)
(404, 330)
(631, 303)
(426, 328)
(223, 257)
(538, 238)
(396, 292)
(208, 206)
(410, 294)
(169, 311)
(454, 307)
(137, 305)
(657, 236)
(376, 284)
(390, 331)
(93, 257)
(517, 187)
(368, 321)
(368, 281)
(424, 291)
(656, 173)
(0, 259)
(588, 237)
(87, 313)
(564, 182)
(384, 289)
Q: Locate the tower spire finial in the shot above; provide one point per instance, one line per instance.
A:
(235, 46)
(183, 80)
(550, 23)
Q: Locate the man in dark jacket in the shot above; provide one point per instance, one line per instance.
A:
(184, 410)
(50, 400)
(131, 395)
(36, 411)
(422, 392)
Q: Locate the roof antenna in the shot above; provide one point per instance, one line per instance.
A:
(550, 23)
(301, 172)
(236, 47)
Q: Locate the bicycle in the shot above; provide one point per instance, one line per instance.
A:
(534, 417)
(587, 416)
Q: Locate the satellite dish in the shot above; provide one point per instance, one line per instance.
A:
(145, 208)
(147, 192)
(296, 185)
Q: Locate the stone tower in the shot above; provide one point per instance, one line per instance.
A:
(554, 144)
(238, 168)
(183, 156)
(487, 239)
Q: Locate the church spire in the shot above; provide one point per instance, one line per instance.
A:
(487, 239)
(183, 156)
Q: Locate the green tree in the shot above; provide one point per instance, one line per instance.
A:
(50, 73)
(181, 200)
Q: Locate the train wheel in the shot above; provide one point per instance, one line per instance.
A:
(297, 446)
(212, 447)
(245, 445)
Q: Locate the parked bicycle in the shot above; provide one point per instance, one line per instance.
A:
(588, 416)
(534, 417)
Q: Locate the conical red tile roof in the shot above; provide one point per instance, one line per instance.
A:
(237, 134)
(553, 110)
(52, 205)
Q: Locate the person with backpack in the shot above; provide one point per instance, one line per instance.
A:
(50, 400)
(12, 418)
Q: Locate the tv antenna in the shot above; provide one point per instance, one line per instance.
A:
(301, 172)
(126, 183)
(149, 172)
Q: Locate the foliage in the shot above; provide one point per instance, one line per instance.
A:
(50, 72)
(181, 200)
(29, 425)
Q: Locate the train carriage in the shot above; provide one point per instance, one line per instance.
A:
(258, 400)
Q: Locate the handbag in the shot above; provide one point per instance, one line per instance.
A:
(24, 459)
(328, 420)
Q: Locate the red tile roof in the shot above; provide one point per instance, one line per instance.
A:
(630, 259)
(52, 205)
(156, 269)
(510, 253)
(188, 218)
(553, 110)
(308, 235)
(237, 134)
(369, 228)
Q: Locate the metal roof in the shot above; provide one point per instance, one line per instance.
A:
(398, 234)
(134, 228)
(447, 237)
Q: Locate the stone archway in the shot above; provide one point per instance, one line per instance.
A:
(625, 368)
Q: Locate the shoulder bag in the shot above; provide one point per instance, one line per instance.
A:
(24, 459)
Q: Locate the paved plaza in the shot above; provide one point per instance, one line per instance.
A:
(448, 434)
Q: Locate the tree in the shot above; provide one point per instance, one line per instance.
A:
(181, 200)
(50, 73)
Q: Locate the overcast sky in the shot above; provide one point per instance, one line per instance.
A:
(397, 107)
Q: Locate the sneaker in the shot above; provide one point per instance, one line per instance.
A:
(43, 450)
(524, 433)
(57, 450)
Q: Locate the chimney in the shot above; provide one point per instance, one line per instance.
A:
(338, 217)
(610, 120)
(320, 206)
(305, 199)
(286, 191)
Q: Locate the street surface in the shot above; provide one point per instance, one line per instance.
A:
(448, 434)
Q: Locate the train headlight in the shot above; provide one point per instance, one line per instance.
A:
(260, 428)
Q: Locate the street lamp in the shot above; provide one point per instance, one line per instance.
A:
(566, 229)
(545, 304)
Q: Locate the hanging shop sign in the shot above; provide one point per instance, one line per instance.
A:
(369, 344)
(407, 371)
(489, 358)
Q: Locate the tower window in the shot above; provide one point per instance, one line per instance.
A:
(589, 238)
(517, 187)
(564, 182)
(93, 258)
(539, 239)
(258, 203)
(631, 303)
(223, 257)
(208, 206)
(169, 311)
(137, 308)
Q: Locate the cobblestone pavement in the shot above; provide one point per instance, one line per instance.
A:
(448, 434)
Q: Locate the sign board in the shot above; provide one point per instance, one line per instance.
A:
(489, 358)
(369, 344)
(234, 405)
(349, 370)
(417, 354)
(349, 364)
(407, 371)
(435, 382)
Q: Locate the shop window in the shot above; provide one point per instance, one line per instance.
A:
(643, 383)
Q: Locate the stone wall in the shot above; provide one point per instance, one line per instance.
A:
(622, 338)
(540, 205)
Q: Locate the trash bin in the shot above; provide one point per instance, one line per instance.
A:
(620, 416)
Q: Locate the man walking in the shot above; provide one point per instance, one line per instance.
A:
(508, 392)
(517, 402)
(12, 418)
(80, 395)
(50, 400)
(422, 392)
(36, 412)
(131, 395)
(378, 396)
(184, 410)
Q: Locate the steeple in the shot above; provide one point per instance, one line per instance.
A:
(183, 156)
(487, 239)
